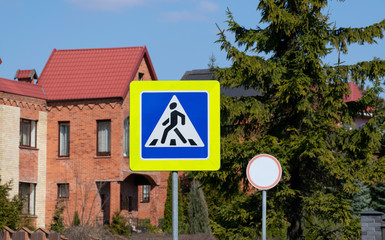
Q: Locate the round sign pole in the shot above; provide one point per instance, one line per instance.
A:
(264, 172)
(263, 215)
(174, 205)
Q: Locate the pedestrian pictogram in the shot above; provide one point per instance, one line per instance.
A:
(174, 128)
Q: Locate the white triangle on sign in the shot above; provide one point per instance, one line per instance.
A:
(174, 129)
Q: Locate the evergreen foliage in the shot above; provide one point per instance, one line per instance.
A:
(198, 216)
(119, 225)
(167, 223)
(361, 200)
(298, 117)
(10, 208)
(76, 219)
(57, 224)
(378, 197)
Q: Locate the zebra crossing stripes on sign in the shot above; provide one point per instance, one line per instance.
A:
(176, 127)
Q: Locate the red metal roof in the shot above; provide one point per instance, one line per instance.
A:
(21, 88)
(30, 73)
(355, 95)
(92, 73)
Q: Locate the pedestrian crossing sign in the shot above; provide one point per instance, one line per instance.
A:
(174, 125)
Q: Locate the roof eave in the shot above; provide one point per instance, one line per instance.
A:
(84, 99)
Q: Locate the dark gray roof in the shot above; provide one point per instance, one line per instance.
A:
(199, 74)
(371, 212)
(207, 74)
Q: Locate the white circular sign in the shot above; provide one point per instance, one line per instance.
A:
(264, 171)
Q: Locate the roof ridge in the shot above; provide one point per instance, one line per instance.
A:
(125, 90)
(48, 61)
(92, 49)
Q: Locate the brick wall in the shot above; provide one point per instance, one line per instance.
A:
(9, 146)
(83, 168)
(41, 169)
(21, 164)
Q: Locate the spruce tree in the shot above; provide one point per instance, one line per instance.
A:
(198, 217)
(378, 197)
(361, 200)
(298, 117)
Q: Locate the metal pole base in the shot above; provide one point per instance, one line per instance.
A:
(174, 205)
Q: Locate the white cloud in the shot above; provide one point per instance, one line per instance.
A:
(207, 6)
(200, 13)
(184, 15)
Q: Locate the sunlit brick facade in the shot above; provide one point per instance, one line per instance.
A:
(77, 152)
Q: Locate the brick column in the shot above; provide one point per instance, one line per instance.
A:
(115, 198)
(371, 222)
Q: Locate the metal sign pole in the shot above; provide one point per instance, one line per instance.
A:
(264, 215)
(174, 205)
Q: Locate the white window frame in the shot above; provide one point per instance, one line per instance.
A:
(103, 138)
(126, 137)
(27, 193)
(64, 139)
(28, 133)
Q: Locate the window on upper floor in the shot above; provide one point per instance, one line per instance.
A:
(64, 139)
(140, 76)
(27, 193)
(126, 137)
(28, 132)
(146, 193)
(63, 190)
(104, 138)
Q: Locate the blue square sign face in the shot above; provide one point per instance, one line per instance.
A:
(174, 125)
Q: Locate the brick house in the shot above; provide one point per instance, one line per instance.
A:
(82, 136)
(23, 141)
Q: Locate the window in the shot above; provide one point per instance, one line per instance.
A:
(126, 137)
(104, 138)
(27, 195)
(141, 76)
(145, 193)
(64, 139)
(63, 190)
(28, 133)
(126, 203)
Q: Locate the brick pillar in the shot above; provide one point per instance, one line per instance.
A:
(371, 222)
(115, 198)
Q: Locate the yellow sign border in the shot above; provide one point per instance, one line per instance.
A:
(210, 164)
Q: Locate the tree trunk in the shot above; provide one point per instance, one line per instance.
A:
(295, 231)
(294, 211)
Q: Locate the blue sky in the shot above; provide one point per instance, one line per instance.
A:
(179, 34)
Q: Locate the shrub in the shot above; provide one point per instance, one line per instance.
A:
(88, 232)
(57, 224)
(9, 208)
(119, 225)
(76, 219)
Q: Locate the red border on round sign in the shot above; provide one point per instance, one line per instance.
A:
(275, 182)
